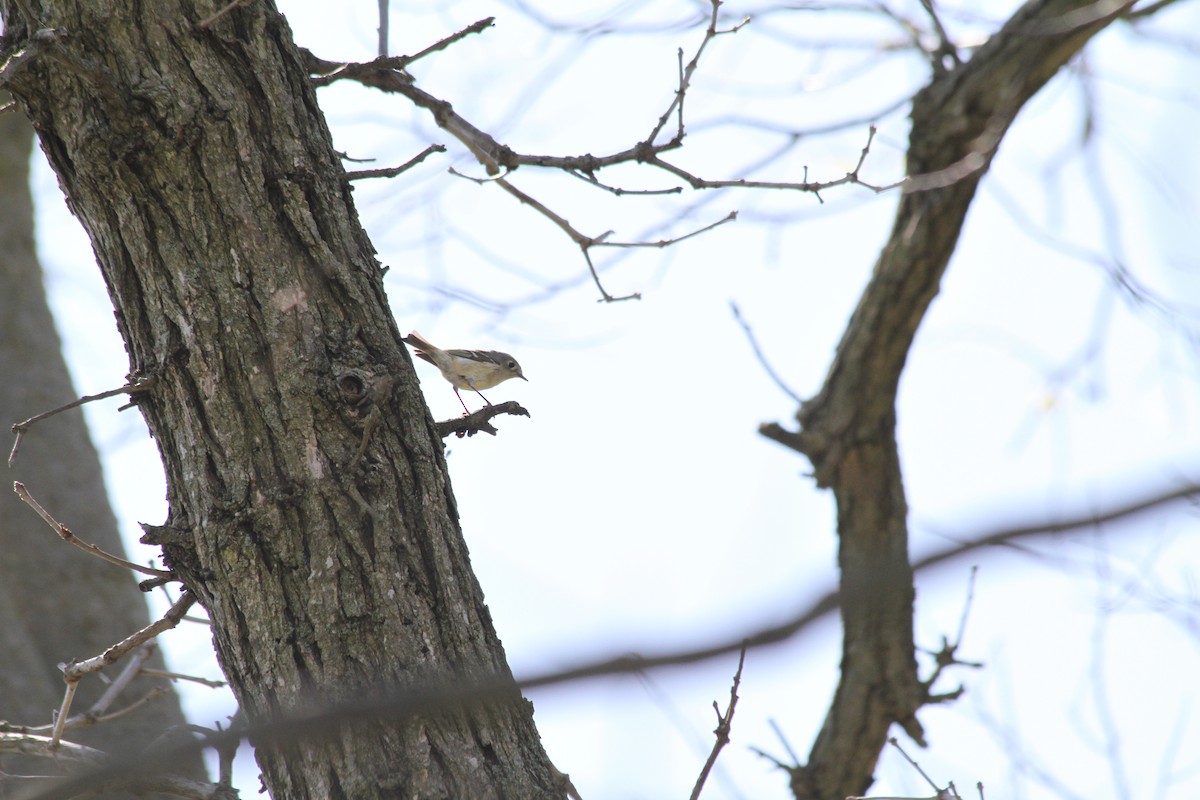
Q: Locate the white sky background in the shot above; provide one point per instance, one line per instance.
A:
(638, 509)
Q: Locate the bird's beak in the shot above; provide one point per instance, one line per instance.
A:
(522, 377)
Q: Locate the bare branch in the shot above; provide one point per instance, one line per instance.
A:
(130, 671)
(476, 27)
(939, 792)
(77, 669)
(391, 172)
(383, 28)
(68, 536)
(730, 217)
(179, 676)
(74, 671)
(946, 51)
(787, 747)
(618, 191)
(28, 744)
(479, 421)
(1009, 536)
(586, 242)
(686, 73)
(384, 70)
(386, 75)
(19, 428)
(60, 720)
(762, 359)
(605, 297)
(576, 236)
(226, 752)
(816, 187)
(724, 723)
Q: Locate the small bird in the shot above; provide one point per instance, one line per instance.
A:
(467, 369)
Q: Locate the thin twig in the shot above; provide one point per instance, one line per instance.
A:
(787, 747)
(383, 28)
(60, 721)
(730, 217)
(75, 670)
(204, 24)
(724, 723)
(762, 359)
(67, 535)
(179, 676)
(501, 173)
(479, 26)
(19, 428)
(617, 190)
(579, 238)
(605, 297)
(584, 242)
(947, 656)
(88, 718)
(685, 76)
(226, 751)
(385, 72)
(127, 674)
(892, 741)
(853, 177)
(608, 298)
(145, 699)
(945, 48)
(391, 172)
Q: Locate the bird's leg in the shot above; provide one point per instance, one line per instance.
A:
(466, 412)
(476, 391)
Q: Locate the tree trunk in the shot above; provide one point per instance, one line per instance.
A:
(848, 430)
(246, 291)
(56, 604)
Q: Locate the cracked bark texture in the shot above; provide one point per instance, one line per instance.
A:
(848, 430)
(203, 171)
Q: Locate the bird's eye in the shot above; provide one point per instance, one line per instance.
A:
(511, 365)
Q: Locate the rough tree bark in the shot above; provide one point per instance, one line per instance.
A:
(56, 604)
(848, 430)
(247, 293)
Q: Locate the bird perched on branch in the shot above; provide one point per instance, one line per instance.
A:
(467, 369)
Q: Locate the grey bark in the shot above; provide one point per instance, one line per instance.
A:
(245, 288)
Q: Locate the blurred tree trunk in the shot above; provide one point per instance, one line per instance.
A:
(848, 430)
(56, 603)
(246, 290)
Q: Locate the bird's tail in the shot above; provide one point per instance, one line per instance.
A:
(421, 348)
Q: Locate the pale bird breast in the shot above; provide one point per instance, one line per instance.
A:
(476, 374)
